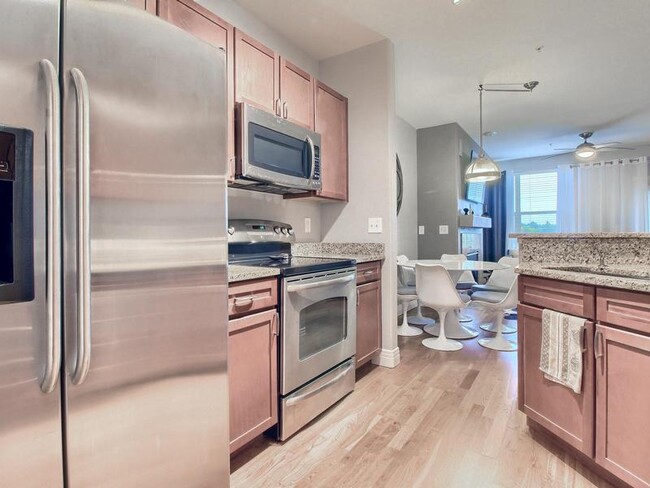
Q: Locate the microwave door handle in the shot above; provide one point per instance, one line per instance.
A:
(312, 153)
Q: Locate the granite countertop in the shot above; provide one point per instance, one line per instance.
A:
(584, 235)
(242, 273)
(638, 279)
(360, 252)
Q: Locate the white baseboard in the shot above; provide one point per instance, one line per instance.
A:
(388, 358)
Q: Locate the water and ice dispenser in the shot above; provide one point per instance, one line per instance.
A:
(16, 215)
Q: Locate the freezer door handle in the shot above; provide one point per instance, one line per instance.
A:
(82, 364)
(53, 218)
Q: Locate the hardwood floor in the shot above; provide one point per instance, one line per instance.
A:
(439, 419)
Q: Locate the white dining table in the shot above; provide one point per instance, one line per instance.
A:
(453, 328)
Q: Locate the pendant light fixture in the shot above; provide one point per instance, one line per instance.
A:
(484, 169)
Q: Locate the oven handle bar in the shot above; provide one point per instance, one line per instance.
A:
(322, 387)
(309, 286)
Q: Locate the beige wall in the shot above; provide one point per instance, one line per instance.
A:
(249, 204)
(407, 220)
(366, 76)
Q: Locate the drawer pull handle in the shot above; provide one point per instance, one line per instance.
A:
(242, 301)
(583, 339)
(368, 273)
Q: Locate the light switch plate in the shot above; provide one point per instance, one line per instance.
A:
(443, 229)
(421, 230)
(375, 225)
(307, 225)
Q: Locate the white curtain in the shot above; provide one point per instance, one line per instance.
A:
(609, 196)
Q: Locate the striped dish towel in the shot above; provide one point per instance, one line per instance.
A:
(561, 355)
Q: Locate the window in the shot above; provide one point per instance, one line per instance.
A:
(536, 202)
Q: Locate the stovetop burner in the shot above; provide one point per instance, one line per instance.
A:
(255, 243)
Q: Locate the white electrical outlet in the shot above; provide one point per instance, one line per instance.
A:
(375, 225)
(443, 229)
(307, 225)
(421, 230)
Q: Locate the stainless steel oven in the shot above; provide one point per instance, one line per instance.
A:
(318, 344)
(275, 155)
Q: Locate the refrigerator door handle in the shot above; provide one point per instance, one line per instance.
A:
(53, 215)
(84, 345)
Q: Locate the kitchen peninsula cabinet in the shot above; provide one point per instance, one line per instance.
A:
(368, 311)
(200, 22)
(253, 331)
(608, 421)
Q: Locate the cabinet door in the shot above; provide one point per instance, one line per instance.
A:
(623, 404)
(331, 119)
(296, 94)
(252, 375)
(368, 321)
(193, 18)
(566, 414)
(256, 73)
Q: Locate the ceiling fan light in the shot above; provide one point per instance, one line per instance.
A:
(482, 169)
(585, 150)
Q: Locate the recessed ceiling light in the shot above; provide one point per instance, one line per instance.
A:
(456, 2)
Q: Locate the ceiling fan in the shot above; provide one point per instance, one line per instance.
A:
(586, 149)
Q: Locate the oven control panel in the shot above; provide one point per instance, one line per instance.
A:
(243, 230)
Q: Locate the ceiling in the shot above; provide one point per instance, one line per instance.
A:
(593, 67)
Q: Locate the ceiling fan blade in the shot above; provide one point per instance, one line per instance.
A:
(564, 149)
(555, 155)
(605, 144)
(615, 148)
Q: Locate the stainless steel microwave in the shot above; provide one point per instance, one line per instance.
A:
(275, 155)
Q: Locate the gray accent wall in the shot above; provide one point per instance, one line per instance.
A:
(441, 187)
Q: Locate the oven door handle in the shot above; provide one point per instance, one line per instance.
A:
(309, 286)
(322, 387)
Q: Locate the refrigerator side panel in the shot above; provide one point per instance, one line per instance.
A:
(30, 412)
(145, 252)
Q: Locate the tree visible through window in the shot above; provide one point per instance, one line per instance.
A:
(536, 202)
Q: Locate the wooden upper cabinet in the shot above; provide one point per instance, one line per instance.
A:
(256, 73)
(193, 18)
(622, 399)
(296, 94)
(331, 122)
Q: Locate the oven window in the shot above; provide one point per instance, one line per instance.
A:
(278, 152)
(322, 325)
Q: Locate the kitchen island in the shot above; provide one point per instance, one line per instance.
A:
(605, 279)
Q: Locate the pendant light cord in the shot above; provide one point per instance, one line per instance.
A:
(480, 119)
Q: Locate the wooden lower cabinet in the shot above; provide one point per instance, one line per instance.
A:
(623, 404)
(368, 321)
(564, 413)
(609, 422)
(252, 376)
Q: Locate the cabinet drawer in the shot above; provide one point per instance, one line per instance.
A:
(252, 296)
(562, 296)
(625, 308)
(367, 272)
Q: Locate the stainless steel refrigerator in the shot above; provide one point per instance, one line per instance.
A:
(113, 352)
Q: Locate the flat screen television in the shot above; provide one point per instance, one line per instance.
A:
(475, 192)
